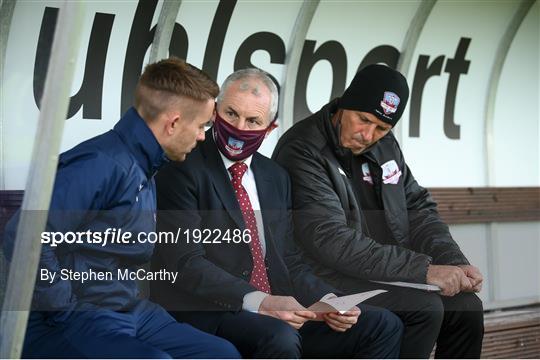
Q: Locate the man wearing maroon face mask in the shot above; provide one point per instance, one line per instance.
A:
(245, 281)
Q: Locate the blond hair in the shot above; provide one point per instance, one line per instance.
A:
(169, 81)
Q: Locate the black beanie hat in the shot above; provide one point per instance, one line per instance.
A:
(379, 90)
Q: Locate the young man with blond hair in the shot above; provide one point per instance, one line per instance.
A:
(106, 183)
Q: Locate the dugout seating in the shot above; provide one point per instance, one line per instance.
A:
(511, 333)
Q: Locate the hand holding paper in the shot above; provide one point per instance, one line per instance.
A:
(286, 308)
(341, 313)
(342, 322)
(344, 303)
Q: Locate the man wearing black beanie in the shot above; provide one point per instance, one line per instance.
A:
(360, 215)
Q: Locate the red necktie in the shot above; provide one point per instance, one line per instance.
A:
(259, 278)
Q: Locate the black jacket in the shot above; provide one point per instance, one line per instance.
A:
(198, 194)
(328, 217)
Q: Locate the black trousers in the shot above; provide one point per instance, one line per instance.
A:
(377, 334)
(455, 324)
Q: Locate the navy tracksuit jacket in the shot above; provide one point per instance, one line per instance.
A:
(104, 182)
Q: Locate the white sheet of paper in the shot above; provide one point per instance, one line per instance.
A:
(344, 303)
(424, 287)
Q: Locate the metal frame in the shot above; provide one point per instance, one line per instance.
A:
(7, 8)
(496, 70)
(40, 180)
(292, 63)
(164, 30)
(500, 57)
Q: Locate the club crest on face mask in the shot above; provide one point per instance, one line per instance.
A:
(234, 143)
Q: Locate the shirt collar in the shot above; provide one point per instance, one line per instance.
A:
(228, 163)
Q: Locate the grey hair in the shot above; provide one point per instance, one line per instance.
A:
(256, 74)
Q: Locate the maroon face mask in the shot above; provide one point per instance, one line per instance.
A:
(237, 144)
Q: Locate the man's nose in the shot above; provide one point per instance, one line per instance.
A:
(369, 133)
(241, 124)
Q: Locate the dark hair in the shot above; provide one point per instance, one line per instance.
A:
(165, 81)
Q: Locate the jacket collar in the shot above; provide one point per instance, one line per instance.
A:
(142, 143)
(331, 133)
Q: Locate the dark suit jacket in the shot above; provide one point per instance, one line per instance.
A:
(198, 194)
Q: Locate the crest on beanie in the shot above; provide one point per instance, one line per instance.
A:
(389, 102)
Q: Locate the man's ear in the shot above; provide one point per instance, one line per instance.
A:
(173, 122)
(271, 128)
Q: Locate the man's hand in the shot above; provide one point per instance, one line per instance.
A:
(286, 308)
(475, 277)
(451, 279)
(342, 322)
